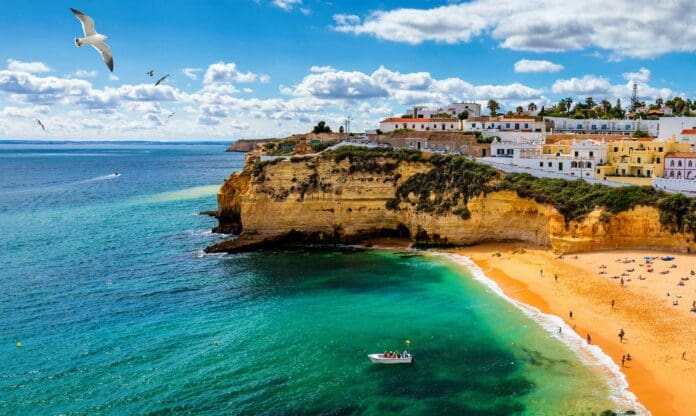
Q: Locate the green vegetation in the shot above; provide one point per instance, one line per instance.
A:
(493, 107)
(448, 186)
(319, 146)
(376, 159)
(463, 115)
(490, 139)
(321, 127)
(641, 133)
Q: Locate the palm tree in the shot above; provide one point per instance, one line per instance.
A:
(589, 102)
(532, 107)
(519, 109)
(493, 106)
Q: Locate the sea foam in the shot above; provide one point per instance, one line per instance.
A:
(591, 355)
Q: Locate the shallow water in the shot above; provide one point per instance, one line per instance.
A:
(103, 282)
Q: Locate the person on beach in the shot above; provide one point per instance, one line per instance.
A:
(684, 356)
(570, 314)
(612, 304)
(541, 272)
(621, 335)
(622, 282)
(560, 329)
(623, 360)
(555, 277)
(589, 339)
(628, 357)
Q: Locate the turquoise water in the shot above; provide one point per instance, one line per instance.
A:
(103, 282)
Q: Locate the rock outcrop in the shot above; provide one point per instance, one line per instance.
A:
(319, 200)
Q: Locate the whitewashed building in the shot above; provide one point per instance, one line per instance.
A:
(680, 165)
(420, 124)
(672, 127)
(599, 126)
(454, 109)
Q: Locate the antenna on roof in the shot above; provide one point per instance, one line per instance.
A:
(634, 97)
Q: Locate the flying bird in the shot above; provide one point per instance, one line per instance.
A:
(151, 72)
(169, 117)
(159, 81)
(41, 124)
(93, 38)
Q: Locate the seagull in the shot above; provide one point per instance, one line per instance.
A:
(41, 124)
(159, 81)
(151, 72)
(168, 117)
(93, 38)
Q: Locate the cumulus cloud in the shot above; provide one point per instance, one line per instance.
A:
(192, 72)
(643, 75)
(341, 85)
(527, 65)
(221, 72)
(29, 67)
(587, 85)
(644, 29)
(81, 73)
(324, 68)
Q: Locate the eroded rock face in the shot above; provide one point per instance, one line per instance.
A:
(319, 200)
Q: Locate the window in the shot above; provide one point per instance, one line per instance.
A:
(507, 125)
(560, 165)
(591, 154)
(414, 126)
(510, 151)
(598, 171)
(671, 163)
(573, 164)
(594, 127)
(550, 164)
(616, 149)
(604, 126)
(541, 164)
(628, 127)
(451, 126)
(658, 160)
(679, 163)
(421, 126)
(526, 125)
(671, 174)
(689, 163)
(638, 160)
(473, 125)
(588, 165)
(579, 126)
(659, 149)
(576, 153)
(500, 151)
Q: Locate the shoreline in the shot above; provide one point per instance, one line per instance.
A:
(656, 331)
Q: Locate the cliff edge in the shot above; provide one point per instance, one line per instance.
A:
(350, 194)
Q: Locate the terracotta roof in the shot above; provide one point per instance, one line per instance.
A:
(687, 155)
(688, 131)
(516, 119)
(404, 120)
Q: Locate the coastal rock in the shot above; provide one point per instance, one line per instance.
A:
(319, 200)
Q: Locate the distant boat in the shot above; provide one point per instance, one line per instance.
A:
(117, 174)
(667, 258)
(382, 359)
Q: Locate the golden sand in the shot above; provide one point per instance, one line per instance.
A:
(658, 328)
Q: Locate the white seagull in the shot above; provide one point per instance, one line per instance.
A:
(93, 38)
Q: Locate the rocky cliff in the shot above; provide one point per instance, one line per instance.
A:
(246, 145)
(325, 200)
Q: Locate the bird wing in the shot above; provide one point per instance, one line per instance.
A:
(87, 22)
(105, 52)
(159, 81)
(41, 124)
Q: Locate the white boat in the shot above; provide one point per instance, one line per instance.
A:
(382, 359)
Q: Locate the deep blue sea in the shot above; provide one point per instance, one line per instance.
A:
(104, 283)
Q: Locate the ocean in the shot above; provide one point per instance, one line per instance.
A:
(104, 283)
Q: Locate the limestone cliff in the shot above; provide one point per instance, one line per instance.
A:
(315, 199)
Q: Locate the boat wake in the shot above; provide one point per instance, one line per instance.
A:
(590, 354)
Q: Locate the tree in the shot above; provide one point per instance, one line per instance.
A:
(493, 106)
(321, 127)
(568, 103)
(589, 102)
(618, 105)
(532, 107)
(340, 130)
(542, 112)
(519, 109)
(463, 115)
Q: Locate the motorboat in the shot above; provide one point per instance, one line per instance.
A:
(383, 359)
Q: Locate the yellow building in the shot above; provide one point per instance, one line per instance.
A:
(637, 162)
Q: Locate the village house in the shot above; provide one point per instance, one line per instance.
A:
(454, 109)
(680, 165)
(600, 126)
(638, 162)
(419, 124)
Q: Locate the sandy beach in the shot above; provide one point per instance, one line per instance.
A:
(652, 308)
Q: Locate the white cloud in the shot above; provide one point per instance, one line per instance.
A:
(113, 77)
(248, 90)
(318, 68)
(192, 72)
(81, 73)
(221, 72)
(286, 5)
(527, 65)
(643, 75)
(625, 28)
(587, 85)
(29, 67)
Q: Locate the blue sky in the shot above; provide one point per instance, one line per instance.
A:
(256, 68)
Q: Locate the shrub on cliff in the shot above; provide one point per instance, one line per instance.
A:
(448, 186)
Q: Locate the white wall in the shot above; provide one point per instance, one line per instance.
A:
(673, 126)
(685, 186)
